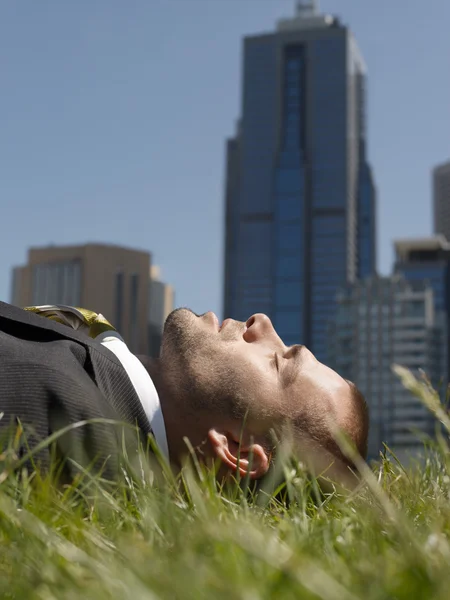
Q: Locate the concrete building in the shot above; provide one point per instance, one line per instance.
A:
(441, 199)
(428, 259)
(380, 322)
(162, 299)
(300, 198)
(108, 279)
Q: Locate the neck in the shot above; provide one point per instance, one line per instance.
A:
(175, 424)
(179, 422)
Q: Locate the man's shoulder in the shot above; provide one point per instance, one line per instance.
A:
(33, 326)
(102, 364)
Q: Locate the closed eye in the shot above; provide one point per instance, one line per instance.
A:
(276, 360)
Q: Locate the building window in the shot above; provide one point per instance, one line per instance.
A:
(15, 286)
(118, 303)
(288, 324)
(134, 294)
(57, 283)
(288, 294)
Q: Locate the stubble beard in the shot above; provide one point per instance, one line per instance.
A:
(178, 335)
(181, 353)
(193, 369)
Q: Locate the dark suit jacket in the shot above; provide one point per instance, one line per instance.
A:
(52, 376)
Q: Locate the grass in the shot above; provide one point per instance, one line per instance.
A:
(151, 538)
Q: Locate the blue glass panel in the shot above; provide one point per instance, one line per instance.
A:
(259, 139)
(255, 247)
(288, 293)
(366, 228)
(291, 340)
(289, 207)
(289, 199)
(328, 123)
(288, 323)
(289, 237)
(435, 274)
(249, 308)
(288, 181)
(289, 266)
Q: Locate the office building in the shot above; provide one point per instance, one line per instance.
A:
(380, 322)
(428, 259)
(441, 199)
(161, 305)
(107, 279)
(300, 198)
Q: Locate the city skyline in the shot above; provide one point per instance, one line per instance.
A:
(93, 125)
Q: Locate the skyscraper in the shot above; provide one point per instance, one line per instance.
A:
(379, 322)
(300, 198)
(428, 259)
(441, 199)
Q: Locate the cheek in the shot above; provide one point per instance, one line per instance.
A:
(234, 369)
(259, 381)
(223, 371)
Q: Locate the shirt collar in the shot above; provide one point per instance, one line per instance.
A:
(143, 385)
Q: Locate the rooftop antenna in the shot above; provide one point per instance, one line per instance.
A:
(307, 8)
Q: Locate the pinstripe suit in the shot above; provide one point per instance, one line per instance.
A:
(52, 376)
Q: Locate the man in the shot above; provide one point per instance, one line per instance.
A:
(227, 387)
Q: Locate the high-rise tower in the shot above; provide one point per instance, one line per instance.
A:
(300, 198)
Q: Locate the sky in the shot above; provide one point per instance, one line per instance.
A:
(114, 117)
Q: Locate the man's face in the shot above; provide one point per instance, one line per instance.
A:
(235, 369)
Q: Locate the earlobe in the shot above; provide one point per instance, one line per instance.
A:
(250, 460)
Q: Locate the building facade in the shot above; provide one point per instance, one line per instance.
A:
(380, 322)
(300, 198)
(441, 199)
(107, 279)
(428, 259)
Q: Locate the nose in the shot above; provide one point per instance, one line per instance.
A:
(259, 326)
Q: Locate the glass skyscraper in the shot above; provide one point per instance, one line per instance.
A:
(300, 198)
(379, 322)
(428, 259)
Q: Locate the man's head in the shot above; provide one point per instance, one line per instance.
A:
(228, 387)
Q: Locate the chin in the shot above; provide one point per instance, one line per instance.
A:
(178, 330)
(178, 316)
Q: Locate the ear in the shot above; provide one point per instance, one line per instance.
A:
(249, 459)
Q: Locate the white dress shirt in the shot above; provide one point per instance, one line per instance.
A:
(142, 383)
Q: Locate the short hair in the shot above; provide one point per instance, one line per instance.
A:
(361, 420)
(311, 434)
(314, 443)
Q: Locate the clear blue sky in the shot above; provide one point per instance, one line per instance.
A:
(114, 116)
